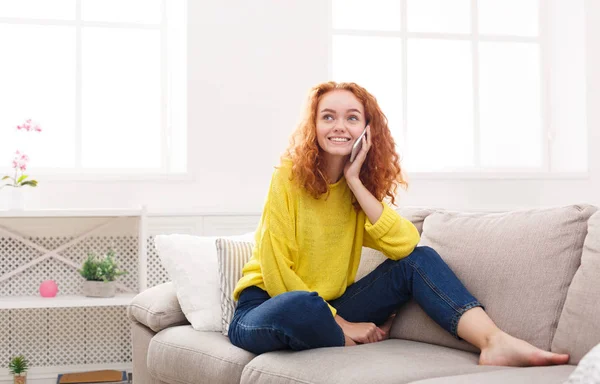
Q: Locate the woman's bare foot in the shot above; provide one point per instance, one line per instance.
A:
(504, 349)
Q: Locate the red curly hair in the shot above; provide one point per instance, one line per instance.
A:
(381, 172)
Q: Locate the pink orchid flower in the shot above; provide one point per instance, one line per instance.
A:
(30, 125)
(20, 161)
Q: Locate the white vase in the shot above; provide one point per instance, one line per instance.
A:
(17, 201)
(99, 288)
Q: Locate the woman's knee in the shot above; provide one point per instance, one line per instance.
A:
(299, 309)
(300, 302)
(423, 254)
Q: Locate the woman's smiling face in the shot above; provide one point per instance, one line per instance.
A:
(340, 121)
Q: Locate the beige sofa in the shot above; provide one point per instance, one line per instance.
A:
(536, 271)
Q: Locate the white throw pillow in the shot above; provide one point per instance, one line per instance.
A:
(191, 262)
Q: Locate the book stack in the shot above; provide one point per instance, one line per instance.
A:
(99, 377)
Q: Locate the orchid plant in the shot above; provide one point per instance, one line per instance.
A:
(20, 160)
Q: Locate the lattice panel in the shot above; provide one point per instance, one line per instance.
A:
(157, 274)
(65, 336)
(13, 254)
(5, 352)
(29, 335)
(108, 335)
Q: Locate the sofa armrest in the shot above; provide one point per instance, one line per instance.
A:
(157, 308)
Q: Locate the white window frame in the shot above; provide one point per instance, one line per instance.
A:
(475, 172)
(79, 173)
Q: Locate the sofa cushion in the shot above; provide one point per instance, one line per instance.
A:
(578, 329)
(518, 264)
(157, 308)
(546, 375)
(390, 361)
(191, 262)
(184, 355)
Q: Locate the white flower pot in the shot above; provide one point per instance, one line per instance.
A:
(99, 288)
(17, 201)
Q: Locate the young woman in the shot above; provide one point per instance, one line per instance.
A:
(298, 290)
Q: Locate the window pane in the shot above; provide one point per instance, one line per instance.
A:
(440, 113)
(135, 11)
(441, 16)
(374, 63)
(508, 17)
(37, 74)
(121, 98)
(510, 105)
(378, 15)
(38, 9)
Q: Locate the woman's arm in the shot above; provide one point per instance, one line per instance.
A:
(385, 229)
(369, 203)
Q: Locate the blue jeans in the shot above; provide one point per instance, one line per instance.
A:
(301, 320)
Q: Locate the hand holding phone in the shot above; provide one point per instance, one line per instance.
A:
(358, 145)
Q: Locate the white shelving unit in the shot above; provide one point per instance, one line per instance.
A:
(53, 253)
(66, 301)
(116, 214)
(72, 213)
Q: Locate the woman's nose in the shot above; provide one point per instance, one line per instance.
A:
(339, 125)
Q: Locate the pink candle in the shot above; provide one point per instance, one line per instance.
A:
(48, 288)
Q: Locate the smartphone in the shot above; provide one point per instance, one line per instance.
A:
(358, 144)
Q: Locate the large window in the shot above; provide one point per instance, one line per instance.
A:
(467, 85)
(105, 79)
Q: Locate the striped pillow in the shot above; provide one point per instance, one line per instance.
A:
(231, 256)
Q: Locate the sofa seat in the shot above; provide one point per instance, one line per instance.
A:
(183, 355)
(532, 375)
(391, 361)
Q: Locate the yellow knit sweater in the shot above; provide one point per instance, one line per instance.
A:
(308, 244)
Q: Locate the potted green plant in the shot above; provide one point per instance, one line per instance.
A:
(18, 366)
(100, 274)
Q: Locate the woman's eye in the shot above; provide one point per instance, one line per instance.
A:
(353, 118)
(327, 117)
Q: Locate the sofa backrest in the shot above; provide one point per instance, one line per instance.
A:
(579, 325)
(518, 264)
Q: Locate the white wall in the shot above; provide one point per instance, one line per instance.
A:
(250, 67)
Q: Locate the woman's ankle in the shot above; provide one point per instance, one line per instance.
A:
(492, 337)
(476, 327)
